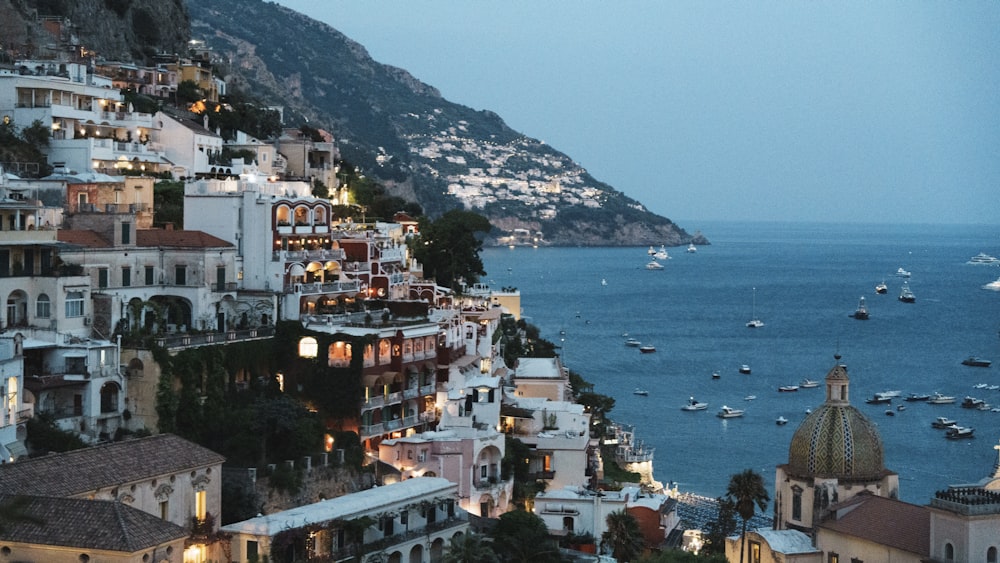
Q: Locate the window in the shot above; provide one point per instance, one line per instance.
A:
(126, 232)
(180, 275)
(126, 276)
(164, 509)
(102, 277)
(754, 552)
(832, 558)
(149, 275)
(404, 517)
(796, 503)
(43, 307)
(483, 471)
(991, 555)
(74, 304)
(200, 499)
(252, 550)
(949, 552)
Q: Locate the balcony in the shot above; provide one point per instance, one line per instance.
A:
(549, 475)
(213, 338)
(317, 288)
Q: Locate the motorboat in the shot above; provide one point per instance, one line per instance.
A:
(749, 397)
(662, 254)
(913, 397)
(694, 405)
(906, 295)
(943, 422)
(993, 285)
(692, 248)
(640, 392)
(983, 258)
(891, 394)
(729, 412)
(976, 362)
(651, 251)
(939, 399)
(788, 388)
(654, 265)
(959, 433)
(745, 369)
(715, 375)
(902, 273)
(889, 412)
(881, 288)
(972, 403)
(879, 399)
(808, 383)
(861, 313)
(781, 421)
(901, 408)
(604, 282)
(647, 349)
(754, 322)
(632, 342)
(980, 386)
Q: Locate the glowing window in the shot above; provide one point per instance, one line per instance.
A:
(308, 347)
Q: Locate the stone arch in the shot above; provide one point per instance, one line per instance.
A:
(395, 557)
(437, 550)
(110, 397)
(416, 554)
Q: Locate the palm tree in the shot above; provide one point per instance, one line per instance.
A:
(747, 491)
(469, 548)
(623, 535)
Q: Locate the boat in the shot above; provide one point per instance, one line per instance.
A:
(912, 397)
(651, 251)
(745, 369)
(905, 295)
(993, 285)
(861, 313)
(715, 375)
(881, 288)
(959, 432)
(976, 362)
(694, 405)
(749, 397)
(943, 422)
(983, 258)
(640, 392)
(788, 388)
(890, 413)
(781, 421)
(632, 342)
(980, 386)
(939, 399)
(902, 273)
(647, 349)
(901, 408)
(808, 383)
(662, 254)
(972, 403)
(754, 322)
(692, 248)
(654, 265)
(729, 412)
(879, 400)
(604, 282)
(890, 394)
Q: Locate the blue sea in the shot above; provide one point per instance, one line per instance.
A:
(808, 280)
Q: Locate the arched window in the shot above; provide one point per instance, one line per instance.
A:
(43, 307)
(949, 552)
(796, 503)
(991, 555)
(383, 350)
(308, 347)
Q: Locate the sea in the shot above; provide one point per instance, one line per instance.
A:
(803, 280)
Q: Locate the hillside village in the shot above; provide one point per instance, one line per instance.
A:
(432, 386)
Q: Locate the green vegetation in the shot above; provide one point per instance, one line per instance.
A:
(45, 436)
(747, 492)
(469, 548)
(448, 247)
(622, 536)
(168, 200)
(716, 531)
(25, 147)
(522, 537)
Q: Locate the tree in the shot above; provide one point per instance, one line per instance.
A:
(521, 537)
(716, 531)
(469, 548)
(747, 492)
(449, 249)
(623, 536)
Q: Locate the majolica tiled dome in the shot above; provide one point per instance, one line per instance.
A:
(836, 440)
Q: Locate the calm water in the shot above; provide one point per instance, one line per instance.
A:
(809, 278)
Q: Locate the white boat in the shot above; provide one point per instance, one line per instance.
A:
(983, 258)
(781, 421)
(604, 281)
(861, 313)
(959, 432)
(694, 405)
(745, 369)
(943, 422)
(788, 388)
(662, 254)
(651, 251)
(647, 349)
(754, 322)
(808, 383)
(729, 412)
(692, 248)
(632, 342)
(993, 285)
(640, 392)
(905, 295)
(902, 273)
(939, 399)
(749, 397)
(881, 287)
(654, 265)
(890, 394)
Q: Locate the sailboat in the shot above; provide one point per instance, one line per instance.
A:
(754, 322)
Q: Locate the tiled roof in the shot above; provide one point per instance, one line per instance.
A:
(81, 237)
(884, 521)
(178, 239)
(87, 524)
(107, 465)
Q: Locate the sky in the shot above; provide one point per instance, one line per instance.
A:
(847, 111)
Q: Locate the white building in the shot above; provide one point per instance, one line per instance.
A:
(189, 145)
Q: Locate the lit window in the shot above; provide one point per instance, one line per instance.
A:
(200, 498)
(308, 348)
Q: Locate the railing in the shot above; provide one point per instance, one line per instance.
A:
(449, 522)
(542, 475)
(370, 430)
(426, 389)
(296, 255)
(319, 287)
(411, 393)
(212, 338)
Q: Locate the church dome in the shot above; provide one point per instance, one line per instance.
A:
(836, 440)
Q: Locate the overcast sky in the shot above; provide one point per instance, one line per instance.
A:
(813, 111)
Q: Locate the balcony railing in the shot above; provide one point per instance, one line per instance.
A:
(319, 287)
(213, 338)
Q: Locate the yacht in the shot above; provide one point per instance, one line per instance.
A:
(881, 288)
(692, 248)
(694, 405)
(913, 397)
(654, 265)
(745, 369)
(983, 258)
(959, 432)
(907, 296)
(861, 313)
(661, 254)
(993, 285)
(647, 349)
(729, 412)
(788, 388)
(976, 362)
(632, 342)
(781, 421)
(939, 399)
(808, 383)
(943, 422)
(902, 273)
(640, 392)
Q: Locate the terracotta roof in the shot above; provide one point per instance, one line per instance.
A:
(82, 237)
(884, 521)
(107, 465)
(88, 524)
(178, 239)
